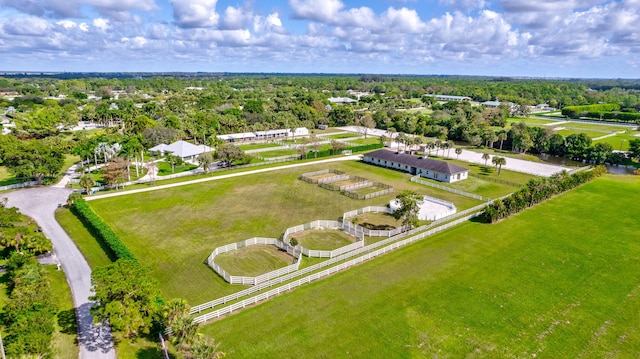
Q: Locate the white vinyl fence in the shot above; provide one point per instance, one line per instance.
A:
(287, 287)
(336, 225)
(371, 232)
(234, 279)
(18, 185)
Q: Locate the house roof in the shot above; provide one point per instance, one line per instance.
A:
(418, 162)
(236, 136)
(158, 148)
(186, 149)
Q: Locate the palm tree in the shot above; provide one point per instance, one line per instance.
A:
(486, 157)
(430, 147)
(437, 144)
(501, 137)
(450, 145)
(458, 152)
(401, 139)
(499, 161)
(87, 181)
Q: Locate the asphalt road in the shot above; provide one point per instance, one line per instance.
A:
(41, 204)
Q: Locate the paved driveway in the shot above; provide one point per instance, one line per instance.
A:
(40, 204)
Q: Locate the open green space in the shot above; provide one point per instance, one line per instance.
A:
(559, 280)
(6, 178)
(531, 121)
(64, 338)
(173, 231)
(257, 146)
(164, 168)
(586, 126)
(591, 134)
(276, 153)
(366, 141)
(621, 140)
(323, 239)
(339, 136)
(252, 261)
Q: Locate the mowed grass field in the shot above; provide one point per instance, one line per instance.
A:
(559, 280)
(253, 261)
(327, 239)
(173, 231)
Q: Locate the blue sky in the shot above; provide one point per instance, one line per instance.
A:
(544, 38)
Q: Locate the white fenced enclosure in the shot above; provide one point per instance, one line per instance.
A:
(348, 216)
(352, 191)
(431, 209)
(326, 224)
(235, 279)
(324, 176)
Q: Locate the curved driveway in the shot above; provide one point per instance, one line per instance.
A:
(40, 204)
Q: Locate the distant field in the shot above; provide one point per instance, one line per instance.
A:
(174, 230)
(257, 146)
(339, 136)
(550, 282)
(591, 134)
(620, 141)
(530, 121)
(6, 178)
(276, 153)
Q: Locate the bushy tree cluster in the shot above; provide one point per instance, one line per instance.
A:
(538, 190)
(29, 313)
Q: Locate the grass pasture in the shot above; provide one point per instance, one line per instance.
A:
(339, 136)
(251, 261)
(173, 231)
(559, 280)
(276, 153)
(164, 168)
(257, 146)
(323, 239)
(531, 121)
(367, 190)
(64, 344)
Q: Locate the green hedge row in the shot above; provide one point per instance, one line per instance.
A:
(86, 214)
(574, 111)
(538, 190)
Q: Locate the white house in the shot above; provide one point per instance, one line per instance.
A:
(187, 151)
(450, 98)
(426, 167)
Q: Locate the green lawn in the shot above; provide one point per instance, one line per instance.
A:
(6, 178)
(621, 141)
(559, 280)
(164, 168)
(276, 153)
(253, 261)
(324, 239)
(64, 338)
(257, 146)
(586, 126)
(366, 141)
(591, 134)
(530, 121)
(339, 136)
(174, 230)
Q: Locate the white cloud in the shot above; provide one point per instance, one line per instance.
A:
(100, 23)
(115, 9)
(67, 24)
(236, 18)
(195, 13)
(28, 26)
(316, 10)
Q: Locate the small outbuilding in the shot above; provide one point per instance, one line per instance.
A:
(426, 167)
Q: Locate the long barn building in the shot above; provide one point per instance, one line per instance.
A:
(425, 167)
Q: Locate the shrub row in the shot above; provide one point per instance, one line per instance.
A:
(81, 209)
(538, 190)
(574, 111)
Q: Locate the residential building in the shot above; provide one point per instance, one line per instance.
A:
(425, 167)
